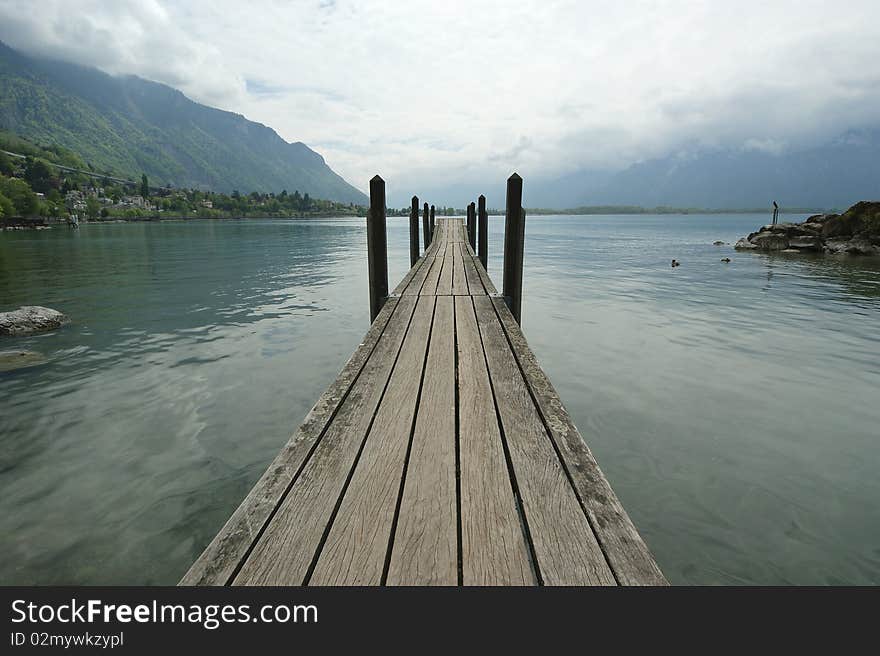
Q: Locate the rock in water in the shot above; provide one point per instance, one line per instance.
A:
(770, 241)
(855, 232)
(10, 360)
(30, 319)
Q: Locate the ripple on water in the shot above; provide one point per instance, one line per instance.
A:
(731, 405)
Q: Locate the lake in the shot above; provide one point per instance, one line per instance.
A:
(734, 407)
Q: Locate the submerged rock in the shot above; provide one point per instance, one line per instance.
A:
(30, 319)
(855, 232)
(10, 360)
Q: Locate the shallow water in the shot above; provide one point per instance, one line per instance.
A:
(734, 407)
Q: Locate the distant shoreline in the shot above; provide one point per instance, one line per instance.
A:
(13, 222)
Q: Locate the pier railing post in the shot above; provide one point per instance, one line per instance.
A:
(432, 223)
(472, 225)
(483, 229)
(377, 247)
(426, 226)
(414, 232)
(514, 238)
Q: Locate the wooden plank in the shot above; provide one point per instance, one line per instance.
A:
(403, 284)
(565, 547)
(286, 549)
(418, 279)
(484, 276)
(459, 281)
(444, 284)
(624, 548)
(425, 548)
(223, 556)
(357, 545)
(488, 286)
(493, 543)
(429, 288)
(474, 282)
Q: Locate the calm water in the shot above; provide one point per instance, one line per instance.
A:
(734, 407)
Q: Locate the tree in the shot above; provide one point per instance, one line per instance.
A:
(93, 207)
(23, 199)
(6, 166)
(6, 206)
(145, 187)
(38, 175)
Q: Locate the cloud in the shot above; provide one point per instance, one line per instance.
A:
(429, 93)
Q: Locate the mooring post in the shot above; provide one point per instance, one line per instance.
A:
(426, 226)
(432, 223)
(414, 232)
(377, 247)
(483, 229)
(471, 225)
(514, 238)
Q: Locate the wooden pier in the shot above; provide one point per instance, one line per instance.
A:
(441, 455)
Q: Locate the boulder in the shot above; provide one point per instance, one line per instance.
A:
(805, 242)
(770, 241)
(30, 319)
(854, 246)
(744, 245)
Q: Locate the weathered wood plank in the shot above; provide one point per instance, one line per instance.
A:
(357, 545)
(425, 548)
(459, 280)
(287, 547)
(429, 288)
(444, 284)
(488, 286)
(624, 548)
(403, 284)
(484, 276)
(225, 553)
(565, 547)
(493, 543)
(474, 282)
(418, 279)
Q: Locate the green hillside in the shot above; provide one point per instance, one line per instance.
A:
(129, 126)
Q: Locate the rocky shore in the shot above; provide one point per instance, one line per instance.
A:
(855, 232)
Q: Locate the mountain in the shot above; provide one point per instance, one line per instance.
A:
(128, 125)
(831, 175)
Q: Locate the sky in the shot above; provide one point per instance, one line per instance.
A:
(431, 94)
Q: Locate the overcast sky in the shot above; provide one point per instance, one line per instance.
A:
(428, 93)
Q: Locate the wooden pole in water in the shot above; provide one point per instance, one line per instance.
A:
(483, 229)
(414, 232)
(432, 223)
(377, 247)
(472, 225)
(426, 225)
(514, 238)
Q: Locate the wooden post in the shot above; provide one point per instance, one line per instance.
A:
(483, 229)
(377, 247)
(426, 226)
(432, 223)
(470, 225)
(414, 232)
(514, 238)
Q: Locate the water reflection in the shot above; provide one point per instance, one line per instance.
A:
(731, 405)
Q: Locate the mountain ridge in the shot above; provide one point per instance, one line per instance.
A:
(130, 125)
